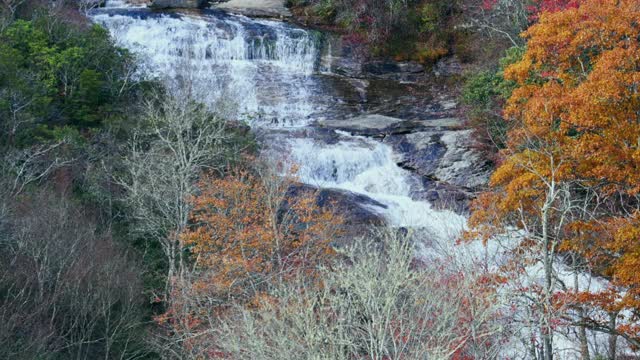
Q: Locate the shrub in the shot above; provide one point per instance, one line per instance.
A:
(485, 93)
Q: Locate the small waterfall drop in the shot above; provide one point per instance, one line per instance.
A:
(368, 167)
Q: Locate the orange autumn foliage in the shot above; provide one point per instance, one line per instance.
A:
(576, 120)
(247, 229)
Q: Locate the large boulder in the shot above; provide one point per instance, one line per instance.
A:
(450, 168)
(368, 124)
(443, 155)
(356, 210)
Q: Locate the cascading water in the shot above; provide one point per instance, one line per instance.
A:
(367, 167)
(268, 69)
(260, 68)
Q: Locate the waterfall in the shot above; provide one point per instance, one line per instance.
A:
(260, 68)
(368, 167)
(269, 70)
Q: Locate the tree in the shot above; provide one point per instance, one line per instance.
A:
(55, 74)
(405, 29)
(550, 6)
(569, 178)
(176, 143)
(8, 9)
(373, 302)
(502, 18)
(485, 94)
(249, 229)
(253, 225)
(68, 290)
(508, 18)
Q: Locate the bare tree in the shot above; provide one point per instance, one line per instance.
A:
(251, 229)
(17, 110)
(85, 6)
(502, 18)
(374, 303)
(68, 289)
(179, 139)
(33, 164)
(538, 269)
(8, 11)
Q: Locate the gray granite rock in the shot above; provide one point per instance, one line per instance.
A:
(356, 209)
(178, 4)
(380, 126)
(443, 155)
(449, 66)
(371, 124)
(256, 8)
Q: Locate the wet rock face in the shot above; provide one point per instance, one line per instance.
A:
(346, 59)
(450, 169)
(353, 97)
(432, 144)
(443, 155)
(430, 138)
(407, 72)
(356, 209)
(408, 108)
(447, 67)
(382, 126)
(422, 151)
(178, 4)
(255, 8)
(443, 195)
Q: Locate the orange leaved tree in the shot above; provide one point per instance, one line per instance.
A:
(249, 230)
(570, 176)
(249, 226)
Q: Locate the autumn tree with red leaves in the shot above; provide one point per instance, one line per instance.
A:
(570, 175)
(248, 226)
(550, 6)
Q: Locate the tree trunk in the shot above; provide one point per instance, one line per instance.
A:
(584, 344)
(547, 331)
(613, 339)
(582, 330)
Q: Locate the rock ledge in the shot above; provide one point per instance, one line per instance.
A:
(255, 8)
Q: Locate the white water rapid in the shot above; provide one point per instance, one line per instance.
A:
(269, 72)
(368, 167)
